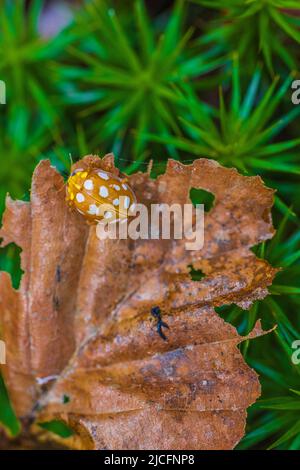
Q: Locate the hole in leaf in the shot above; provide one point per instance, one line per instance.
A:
(196, 274)
(7, 415)
(26, 196)
(158, 168)
(10, 262)
(57, 427)
(259, 250)
(200, 196)
(66, 399)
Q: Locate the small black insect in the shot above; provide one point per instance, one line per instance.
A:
(58, 273)
(156, 313)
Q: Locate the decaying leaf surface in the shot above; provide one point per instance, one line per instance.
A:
(80, 327)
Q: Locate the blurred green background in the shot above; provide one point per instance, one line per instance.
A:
(168, 79)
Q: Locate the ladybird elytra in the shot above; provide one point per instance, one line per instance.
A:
(99, 195)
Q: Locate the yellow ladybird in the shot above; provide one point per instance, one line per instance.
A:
(99, 195)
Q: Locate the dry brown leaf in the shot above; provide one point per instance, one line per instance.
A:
(87, 334)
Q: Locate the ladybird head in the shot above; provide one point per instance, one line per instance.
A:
(75, 183)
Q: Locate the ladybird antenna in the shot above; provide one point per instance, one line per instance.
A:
(71, 159)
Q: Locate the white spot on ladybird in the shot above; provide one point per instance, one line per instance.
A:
(103, 175)
(88, 184)
(93, 209)
(126, 202)
(116, 187)
(103, 191)
(107, 215)
(80, 197)
(125, 186)
(116, 202)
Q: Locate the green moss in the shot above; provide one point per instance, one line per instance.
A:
(58, 427)
(7, 416)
